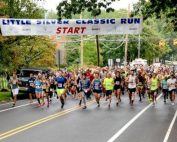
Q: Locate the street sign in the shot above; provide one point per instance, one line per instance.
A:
(110, 62)
(118, 60)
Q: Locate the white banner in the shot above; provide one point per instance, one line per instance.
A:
(14, 27)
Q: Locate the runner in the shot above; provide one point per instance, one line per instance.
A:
(132, 86)
(61, 81)
(15, 90)
(164, 87)
(84, 87)
(38, 88)
(31, 88)
(154, 88)
(140, 86)
(117, 86)
(172, 88)
(97, 90)
(108, 85)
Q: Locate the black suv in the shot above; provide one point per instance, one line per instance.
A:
(25, 75)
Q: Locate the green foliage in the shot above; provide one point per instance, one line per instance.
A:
(24, 51)
(157, 8)
(66, 9)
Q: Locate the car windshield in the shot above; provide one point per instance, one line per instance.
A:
(26, 73)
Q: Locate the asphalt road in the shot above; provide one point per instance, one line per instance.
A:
(139, 123)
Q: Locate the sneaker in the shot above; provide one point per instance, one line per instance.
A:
(172, 104)
(80, 103)
(117, 104)
(62, 106)
(84, 107)
(13, 105)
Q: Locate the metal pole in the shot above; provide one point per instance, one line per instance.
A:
(126, 40)
(81, 47)
(139, 45)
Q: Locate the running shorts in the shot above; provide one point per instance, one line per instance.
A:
(108, 92)
(132, 90)
(60, 92)
(15, 91)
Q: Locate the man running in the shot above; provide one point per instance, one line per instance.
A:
(15, 90)
(31, 87)
(132, 86)
(172, 88)
(61, 81)
(109, 85)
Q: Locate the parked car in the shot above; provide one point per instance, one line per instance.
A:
(25, 75)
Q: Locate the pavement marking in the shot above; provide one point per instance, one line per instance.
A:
(17, 107)
(5, 104)
(170, 128)
(117, 135)
(40, 121)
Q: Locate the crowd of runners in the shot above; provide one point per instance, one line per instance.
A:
(84, 84)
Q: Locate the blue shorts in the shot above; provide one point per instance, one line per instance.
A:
(38, 90)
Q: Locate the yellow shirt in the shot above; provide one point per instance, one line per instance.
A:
(108, 83)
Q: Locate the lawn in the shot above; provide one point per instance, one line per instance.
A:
(5, 96)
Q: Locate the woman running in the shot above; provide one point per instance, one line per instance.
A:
(97, 90)
(154, 83)
(117, 86)
(38, 88)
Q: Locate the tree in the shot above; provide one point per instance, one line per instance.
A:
(157, 7)
(68, 8)
(24, 51)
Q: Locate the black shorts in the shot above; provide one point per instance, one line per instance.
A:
(31, 90)
(97, 91)
(172, 91)
(132, 90)
(116, 87)
(153, 91)
(108, 92)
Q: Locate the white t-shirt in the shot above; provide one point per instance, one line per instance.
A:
(171, 83)
(131, 82)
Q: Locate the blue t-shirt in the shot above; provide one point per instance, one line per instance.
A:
(38, 84)
(60, 82)
(97, 84)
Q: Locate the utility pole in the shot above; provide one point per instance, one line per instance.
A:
(81, 47)
(139, 45)
(98, 50)
(126, 40)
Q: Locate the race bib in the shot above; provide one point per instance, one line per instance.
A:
(59, 85)
(117, 82)
(37, 86)
(96, 87)
(85, 90)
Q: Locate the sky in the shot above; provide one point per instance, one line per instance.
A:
(52, 4)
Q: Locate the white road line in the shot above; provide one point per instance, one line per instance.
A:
(117, 135)
(170, 128)
(5, 104)
(16, 107)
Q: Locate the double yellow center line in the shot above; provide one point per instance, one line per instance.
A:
(40, 121)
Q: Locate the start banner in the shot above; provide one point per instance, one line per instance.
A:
(26, 27)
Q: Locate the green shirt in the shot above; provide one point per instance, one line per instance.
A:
(108, 83)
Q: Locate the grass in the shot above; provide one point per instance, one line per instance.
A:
(5, 96)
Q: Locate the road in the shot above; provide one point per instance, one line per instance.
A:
(139, 123)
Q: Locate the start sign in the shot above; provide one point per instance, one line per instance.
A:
(22, 27)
